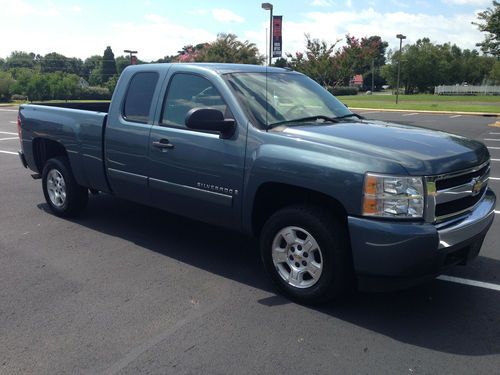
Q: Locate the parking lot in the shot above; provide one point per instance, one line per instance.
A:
(129, 289)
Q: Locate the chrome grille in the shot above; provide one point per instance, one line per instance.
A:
(454, 194)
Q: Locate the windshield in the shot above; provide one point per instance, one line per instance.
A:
(289, 97)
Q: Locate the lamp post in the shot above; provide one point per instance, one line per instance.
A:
(131, 54)
(269, 7)
(400, 37)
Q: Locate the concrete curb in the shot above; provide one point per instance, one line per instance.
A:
(430, 112)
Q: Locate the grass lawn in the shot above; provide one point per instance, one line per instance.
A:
(489, 104)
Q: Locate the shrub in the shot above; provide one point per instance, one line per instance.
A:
(18, 97)
(342, 90)
(95, 93)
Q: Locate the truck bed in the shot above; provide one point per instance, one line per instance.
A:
(83, 106)
(80, 130)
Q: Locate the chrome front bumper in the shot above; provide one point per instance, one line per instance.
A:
(476, 221)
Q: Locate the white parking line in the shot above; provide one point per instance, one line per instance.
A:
(8, 152)
(479, 284)
(9, 133)
(367, 113)
(492, 139)
(409, 114)
(497, 212)
(494, 133)
(494, 178)
(493, 148)
(8, 110)
(8, 139)
(455, 116)
(13, 122)
(495, 159)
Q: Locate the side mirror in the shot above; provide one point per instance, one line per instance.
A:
(209, 119)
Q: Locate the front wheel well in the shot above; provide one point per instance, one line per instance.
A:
(271, 197)
(45, 149)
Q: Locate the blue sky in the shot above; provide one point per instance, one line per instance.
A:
(159, 28)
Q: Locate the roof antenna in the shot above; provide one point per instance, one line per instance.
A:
(267, 98)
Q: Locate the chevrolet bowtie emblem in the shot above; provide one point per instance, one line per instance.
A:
(477, 185)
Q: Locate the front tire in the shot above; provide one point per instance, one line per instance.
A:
(306, 253)
(63, 195)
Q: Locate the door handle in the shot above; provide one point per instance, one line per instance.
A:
(163, 144)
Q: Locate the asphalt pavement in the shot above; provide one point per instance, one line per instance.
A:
(127, 289)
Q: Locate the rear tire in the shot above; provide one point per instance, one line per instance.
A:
(63, 195)
(306, 253)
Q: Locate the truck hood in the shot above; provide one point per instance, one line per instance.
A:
(420, 151)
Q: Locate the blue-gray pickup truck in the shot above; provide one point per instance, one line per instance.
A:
(335, 200)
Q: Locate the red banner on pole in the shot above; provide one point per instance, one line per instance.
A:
(277, 39)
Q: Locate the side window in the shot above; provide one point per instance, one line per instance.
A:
(187, 91)
(140, 96)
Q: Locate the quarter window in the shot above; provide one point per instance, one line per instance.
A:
(187, 91)
(140, 97)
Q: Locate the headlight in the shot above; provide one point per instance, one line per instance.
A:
(393, 196)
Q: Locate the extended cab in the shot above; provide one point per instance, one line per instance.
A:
(334, 199)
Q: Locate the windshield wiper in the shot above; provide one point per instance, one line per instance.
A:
(349, 115)
(304, 119)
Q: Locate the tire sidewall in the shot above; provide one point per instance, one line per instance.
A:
(60, 166)
(330, 282)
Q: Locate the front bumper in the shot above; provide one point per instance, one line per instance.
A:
(392, 255)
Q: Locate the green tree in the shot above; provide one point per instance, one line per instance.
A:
(22, 77)
(121, 63)
(20, 59)
(38, 87)
(6, 83)
(111, 84)
(316, 62)
(490, 24)
(494, 75)
(425, 65)
(90, 64)
(228, 49)
(55, 62)
(108, 66)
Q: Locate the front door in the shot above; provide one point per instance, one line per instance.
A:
(192, 173)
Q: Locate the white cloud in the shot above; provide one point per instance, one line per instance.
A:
(348, 3)
(468, 2)
(226, 15)
(152, 35)
(400, 4)
(322, 3)
(76, 8)
(366, 22)
(198, 12)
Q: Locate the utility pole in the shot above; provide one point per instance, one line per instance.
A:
(373, 75)
(131, 55)
(269, 7)
(400, 37)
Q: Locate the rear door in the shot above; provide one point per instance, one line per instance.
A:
(199, 174)
(127, 135)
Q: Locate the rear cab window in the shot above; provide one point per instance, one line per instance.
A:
(139, 97)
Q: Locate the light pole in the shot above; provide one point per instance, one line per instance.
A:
(400, 37)
(269, 7)
(131, 54)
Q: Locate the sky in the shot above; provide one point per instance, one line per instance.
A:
(156, 28)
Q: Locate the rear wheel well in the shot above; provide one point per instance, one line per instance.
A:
(271, 197)
(45, 149)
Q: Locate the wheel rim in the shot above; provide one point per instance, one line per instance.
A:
(56, 187)
(297, 257)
